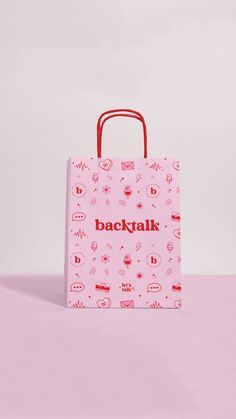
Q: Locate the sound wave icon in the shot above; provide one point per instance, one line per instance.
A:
(80, 234)
(122, 272)
(81, 165)
(93, 201)
(155, 166)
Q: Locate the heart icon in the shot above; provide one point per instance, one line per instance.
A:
(175, 165)
(105, 303)
(177, 233)
(105, 164)
(177, 304)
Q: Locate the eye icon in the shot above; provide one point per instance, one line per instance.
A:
(78, 216)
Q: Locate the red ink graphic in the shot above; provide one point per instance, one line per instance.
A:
(105, 303)
(78, 190)
(177, 233)
(78, 216)
(170, 246)
(106, 164)
(78, 304)
(153, 260)
(102, 286)
(169, 178)
(127, 191)
(138, 177)
(77, 259)
(80, 234)
(155, 166)
(175, 216)
(122, 272)
(126, 287)
(122, 202)
(177, 304)
(169, 272)
(139, 205)
(95, 177)
(155, 305)
(127, 304)
(176, 286)
(127, 260)
(127, 165)
(168, 201)
(80, 165)
(139, 275)
(94, 246)
(93, 201)
(106, 189)
(92, 271)
(153, 191)
(138, 246)
(105, 258)
(175, 165)
(154, 287)
(77, 287)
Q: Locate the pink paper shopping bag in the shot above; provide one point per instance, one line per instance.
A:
(122, 229)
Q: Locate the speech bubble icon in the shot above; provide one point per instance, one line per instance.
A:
(154, 287)
(77, 287)
(78, 216)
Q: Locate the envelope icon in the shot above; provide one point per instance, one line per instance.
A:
(127, 165)
(127, 304)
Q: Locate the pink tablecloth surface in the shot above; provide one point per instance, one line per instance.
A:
(146, 364)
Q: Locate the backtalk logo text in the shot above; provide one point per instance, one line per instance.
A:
(129, 226)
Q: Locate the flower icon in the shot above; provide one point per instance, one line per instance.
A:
(139, 205)
(139, 275)
(105, 258)
(106, 189)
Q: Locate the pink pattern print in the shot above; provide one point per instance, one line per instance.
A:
(123, 233)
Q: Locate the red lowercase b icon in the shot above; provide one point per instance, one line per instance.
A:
(77, 259)
(153, 260)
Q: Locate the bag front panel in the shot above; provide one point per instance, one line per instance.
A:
(123, 233)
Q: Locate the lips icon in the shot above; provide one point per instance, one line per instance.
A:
(105, 164)
(177, 233)
(105, 303)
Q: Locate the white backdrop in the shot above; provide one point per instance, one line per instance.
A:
(65, 61)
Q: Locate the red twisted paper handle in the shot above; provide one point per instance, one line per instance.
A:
(115, 113)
